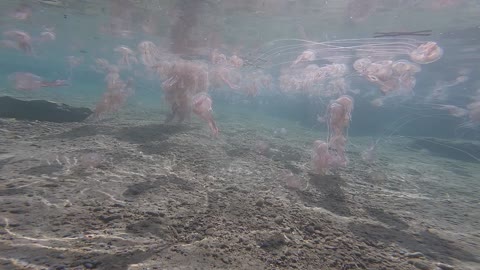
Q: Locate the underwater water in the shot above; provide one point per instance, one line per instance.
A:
(227, 134)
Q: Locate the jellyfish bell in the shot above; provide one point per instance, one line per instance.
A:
(426, 53)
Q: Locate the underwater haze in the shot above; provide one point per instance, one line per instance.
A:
(229, 134)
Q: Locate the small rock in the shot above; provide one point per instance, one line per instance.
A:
(414, 255)
(310, 229)
(444, 266)
(278, 220)
(260, 203)
(89, 265)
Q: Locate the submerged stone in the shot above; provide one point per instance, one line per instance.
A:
(41, 110)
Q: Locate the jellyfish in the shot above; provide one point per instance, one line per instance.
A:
(453, 110)
(128, 56)
(184, 79)
(202, 107)
(320, 157)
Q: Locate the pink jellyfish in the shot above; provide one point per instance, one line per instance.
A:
(22, 39)
(28, 81)
(320, 157)
(22, 12)
(202, 107)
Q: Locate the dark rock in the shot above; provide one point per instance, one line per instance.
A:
(89, 265)
(41, 110)
(273, 240)
(260, 203)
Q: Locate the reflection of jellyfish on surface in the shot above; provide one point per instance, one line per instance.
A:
(359, 11)
(474, 112)
(73, 61)
(149, 53)
(22, 12)
(453, 110)
(426, 53)
(28, 82)
(128, 56)
(20, 40)
(47, 35)
(376, 49)
(388, 75)
(440, 91)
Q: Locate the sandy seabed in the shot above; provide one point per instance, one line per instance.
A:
(126, 193)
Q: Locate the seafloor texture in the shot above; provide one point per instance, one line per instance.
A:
(125, 193)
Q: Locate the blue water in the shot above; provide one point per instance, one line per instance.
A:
(423, 173)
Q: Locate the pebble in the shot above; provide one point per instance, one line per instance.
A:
(444, 266)
(260, 203)
(278, 220)
(414, 255)
(89, 265)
